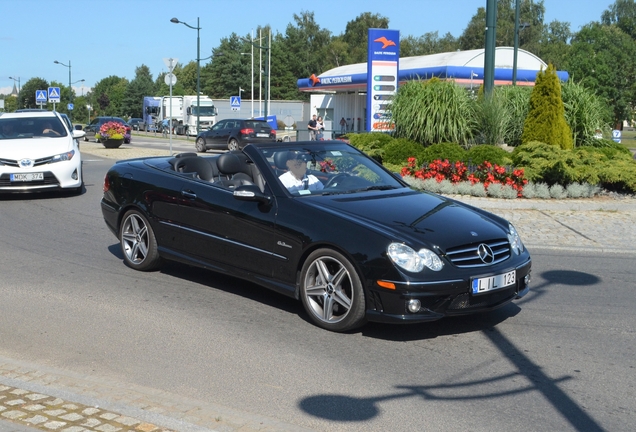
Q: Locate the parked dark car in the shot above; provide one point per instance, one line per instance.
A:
(352, 241)
(93, 127)
(134, 123)
(234, 134)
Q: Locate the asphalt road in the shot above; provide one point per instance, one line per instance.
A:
(561, 359)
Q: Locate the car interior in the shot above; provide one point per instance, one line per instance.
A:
(228, 170)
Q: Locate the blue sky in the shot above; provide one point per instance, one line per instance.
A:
(103, 38)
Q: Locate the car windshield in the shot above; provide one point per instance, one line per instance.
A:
(328, 169)
(31, 127)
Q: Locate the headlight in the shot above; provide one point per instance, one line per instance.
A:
(515, 240)
(405, 257)
(63, 157)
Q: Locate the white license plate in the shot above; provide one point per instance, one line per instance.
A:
(26, 177)
(262, 135)
(492, 283)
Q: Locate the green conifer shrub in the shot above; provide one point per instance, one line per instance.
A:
(545, 121)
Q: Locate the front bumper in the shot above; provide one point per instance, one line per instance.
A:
(64, 175)
(441, 298)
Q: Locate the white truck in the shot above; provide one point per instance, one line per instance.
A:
(185, 111)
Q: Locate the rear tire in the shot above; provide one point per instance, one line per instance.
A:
(138, 243)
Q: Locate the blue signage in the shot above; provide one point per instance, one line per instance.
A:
(616, 135)
(383, 60)
(54, 94)
(235, 103)
(40, 96)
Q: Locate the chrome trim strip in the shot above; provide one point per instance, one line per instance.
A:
(408, 283)
(224, 240)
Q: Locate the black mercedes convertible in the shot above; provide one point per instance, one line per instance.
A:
(321, 222)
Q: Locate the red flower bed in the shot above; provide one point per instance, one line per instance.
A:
(486, 173)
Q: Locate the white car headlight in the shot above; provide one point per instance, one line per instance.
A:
(515, 240)
(63, 157)
(410, 260)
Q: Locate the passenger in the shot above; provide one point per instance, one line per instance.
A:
(8, 130)
(296, 179)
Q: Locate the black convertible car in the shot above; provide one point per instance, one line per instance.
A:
(321, 222)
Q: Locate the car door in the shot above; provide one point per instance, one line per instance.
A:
(91, 128)
(212, 135)
(209, 225)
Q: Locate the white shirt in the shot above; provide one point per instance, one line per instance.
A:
(306, 184)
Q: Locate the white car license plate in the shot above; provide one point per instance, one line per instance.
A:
(26, 177)
(482, 285)
(262, 135)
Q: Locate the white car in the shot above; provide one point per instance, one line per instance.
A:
(38, 152)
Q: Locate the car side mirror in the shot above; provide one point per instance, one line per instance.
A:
(251, 193)
(78, 134)
(78, 127)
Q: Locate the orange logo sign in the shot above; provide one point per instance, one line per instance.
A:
(385, 42)
(314, 80)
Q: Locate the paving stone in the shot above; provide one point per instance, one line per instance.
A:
(107, 428)
(146, 427)
(91, 422)
(54, 425)
(70, 407)
(127, 421)
(14, 414)
(53, 402)
(33, 407)
(15, 402)
(109, 416)
(90, 411)
(4, 388)
(19, 392)
(74, 429)
(55, 413)
(72, 417)
(36, 396)
(37, 419)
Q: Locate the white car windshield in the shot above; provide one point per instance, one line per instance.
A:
(31, 127)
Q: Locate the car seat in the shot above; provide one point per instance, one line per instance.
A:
(235, 167)
(199, 167)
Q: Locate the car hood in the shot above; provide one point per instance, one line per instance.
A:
(34, 148)
(417, 217)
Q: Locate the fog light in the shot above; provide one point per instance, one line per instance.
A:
(526, 279)
(74, 175)
(414, 306)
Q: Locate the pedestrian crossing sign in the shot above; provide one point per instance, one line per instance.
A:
(54, 94)
(235, 103)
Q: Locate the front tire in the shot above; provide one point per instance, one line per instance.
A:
(233, 145)
(331, 291)
(138, 242)
(200, 145)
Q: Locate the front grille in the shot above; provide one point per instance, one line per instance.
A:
(36, 162)
(468, 256)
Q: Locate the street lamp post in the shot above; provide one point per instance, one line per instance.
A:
(197, 28)
(266, 48)
(518, 27)
(70, 89)
(18, 80)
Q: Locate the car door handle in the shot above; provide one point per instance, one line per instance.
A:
(188, 194)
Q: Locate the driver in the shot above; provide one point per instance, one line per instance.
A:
(296, 179)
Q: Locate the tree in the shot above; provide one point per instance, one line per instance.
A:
(623, 14)
(530, 13)
(109, 95)
(139, 87)
(545, 121)
(429, 43)
(307, 44)
(603, 58)
(555, 44)
(356, 34)
(27, 92)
